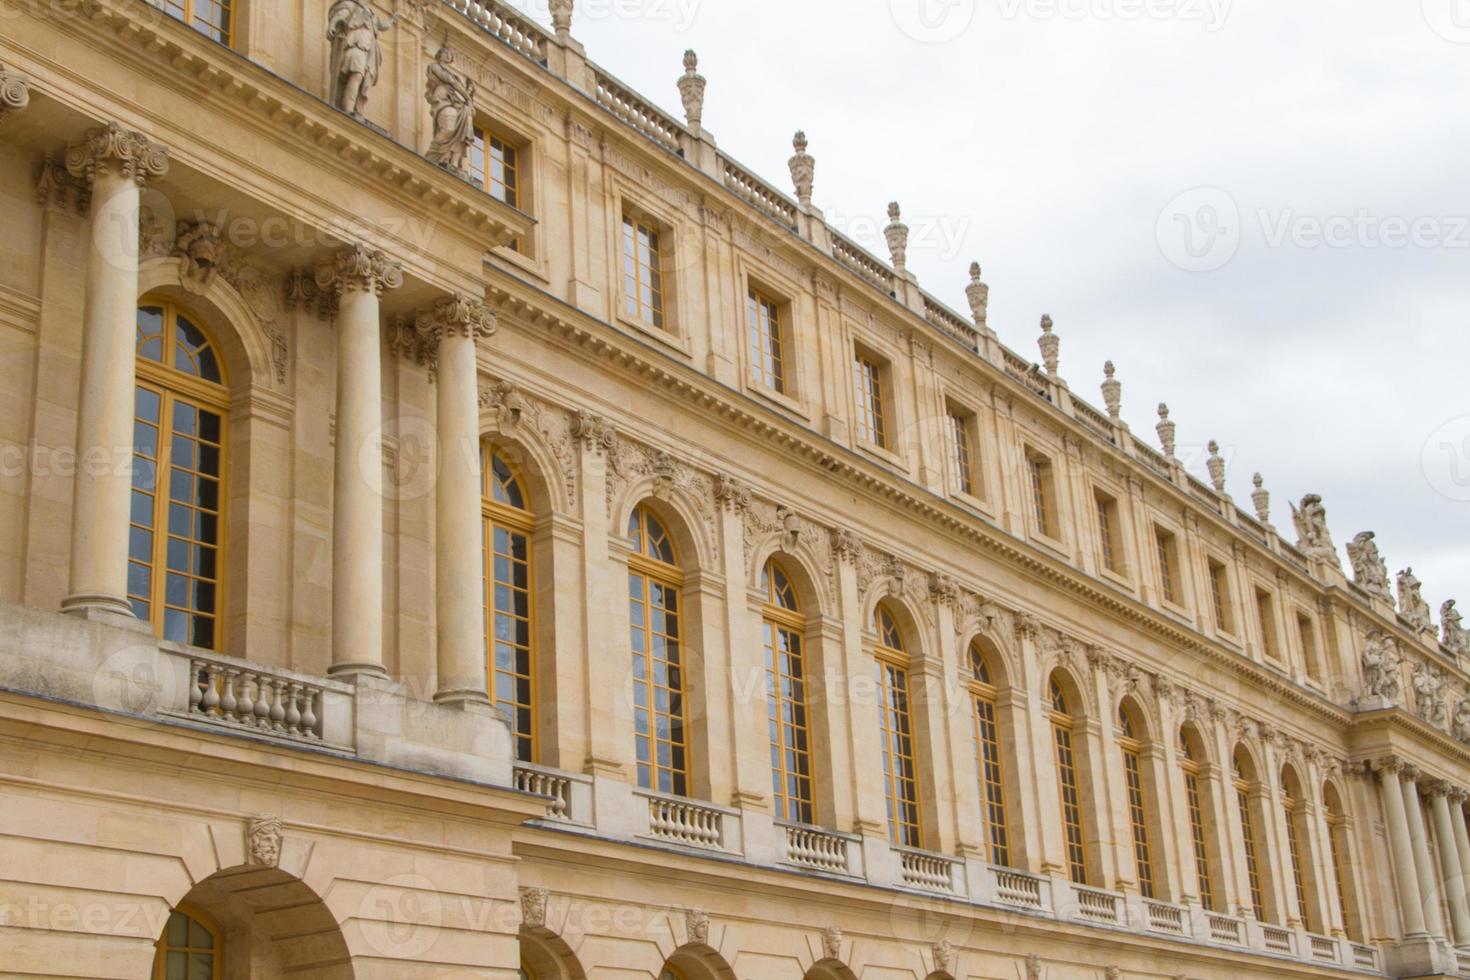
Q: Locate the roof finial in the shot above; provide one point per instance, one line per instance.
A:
(979, 296)
(691, 90)
(1216, 466)
(561, 18)
(1166, 429)
(803, 169)
(897, 234)
(1261, 497)
(1050, 344)
(1112, 391)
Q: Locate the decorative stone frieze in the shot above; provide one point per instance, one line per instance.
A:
(125, 152)
(731, 493)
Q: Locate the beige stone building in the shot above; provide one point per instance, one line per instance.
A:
(455, 521)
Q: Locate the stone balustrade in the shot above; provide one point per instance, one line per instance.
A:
(687, 822)
(821, 850)
(930, 871)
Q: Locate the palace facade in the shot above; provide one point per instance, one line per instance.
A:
(456, 521)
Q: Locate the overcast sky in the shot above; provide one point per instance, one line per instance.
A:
(1257, 209)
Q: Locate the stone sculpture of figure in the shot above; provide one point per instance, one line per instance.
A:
(1462, 720)
(353, 29)
(1381, 668)
(1456, 639)
(451, 96)
(1412, 606)
(1369, 570)
(1429, 695)
(1313, 538)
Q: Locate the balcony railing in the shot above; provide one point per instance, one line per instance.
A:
(1277, 940)
(1324, 950)
(1367, 957)
(1169, 919)
(504, 24)
(266, 702)
(1018, 888)
(687, 822)
(746, 185)
(1095, 905)
(1225, 930)
(822, 850)
(863, 264)
(929, 871)
(638, 112)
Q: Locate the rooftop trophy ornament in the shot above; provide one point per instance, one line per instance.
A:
(561, 18)
(1167, 430)
(1112, 391)
(1216, 465)
(691, 90)
(1460, 727)
(1050, 344)
(1369, 570)
(1429, 694)
(897, 236)
(1456, 638)
(803, 169)
(1313, 538)
(15, 92)
(1261, 499)
(353, 28)
(1381, 668)
(979, 296)
(451, 97)
(1412, 607)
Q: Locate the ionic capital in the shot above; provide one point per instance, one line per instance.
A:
(125, 152)
(359, 269)
(457, 316)
(15, 92)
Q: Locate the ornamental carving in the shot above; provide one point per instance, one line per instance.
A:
(1261, 499)
(732, 494)
(897, 237)
(518, 414)
(1033, 967)
(691, 90)
(1313, 538)
(1381, 662)
(263, 840)
(456, 316)
(1370, 572)
(360, 269)
(127, 153)
(15, 92)
(1167, 431)
(977, 294)
(832, 942)
(451, 97)
(945, 591)
(593, 433)
(1112, 391)
(533, 907)
(1050, 346)
(1412, 607)
(1429, 698)
(803, 169)
(629, 461)
(696, 924)
(943, 956)
(508, 404)
(57, 188)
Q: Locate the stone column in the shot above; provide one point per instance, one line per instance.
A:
(1401, 849)
(454, 324)
(1449, 859)
(114, 163)
(358, 276)
(1423, 862)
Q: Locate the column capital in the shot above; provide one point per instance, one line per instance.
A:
(125, 152)
(1436, 788)
(457, 315)
(1389, 765)
(1457, 795)
(359, 269)
(15, 92)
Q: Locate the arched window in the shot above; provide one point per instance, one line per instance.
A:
(1292, 802)
(1337, 839)
(988, 754)
(189, 949)
(900, 775)
(1189, 763)
(654, 581)
(1074, 833)
(509, 617)
(176, 538)
(1249, 832)
(791, 766)
(1130, 741)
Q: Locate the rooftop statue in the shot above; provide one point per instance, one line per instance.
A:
(1369, 570)
(1456, 638)
(1313, 538)
(1412, 606)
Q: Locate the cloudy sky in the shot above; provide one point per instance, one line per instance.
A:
(1259, 210)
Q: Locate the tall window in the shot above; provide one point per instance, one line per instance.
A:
(791, 766)
(1132, 747)
(1266, 615)
(1290, 793)
(654, 581)
(1189, 762)
(175, 542)
(510, 633)
(215, 19)
(1043, 493)
(868, 378)
(1110, 537)
(1248, 835)
(961, 452)
(1220, 597)
(900, 776)
(1337, 839)
(643, 282)
(1167, 548)
(496, 163)
(1074, 837)
(767, 350)
(189, 949)
(988, 755)
(1307, 633)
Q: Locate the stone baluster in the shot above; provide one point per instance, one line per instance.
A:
(454, 324)
(114, 163)
(358, 276)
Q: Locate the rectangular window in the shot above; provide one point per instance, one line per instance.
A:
(868, 378)
(1043, 493)
(1110, 538)
(901, 782)
(1308, 635)
(992, 783)
(212, 18)
(643, 286)
(791, 774)
(766, 344)
(1220, 597)
(1266, 614)
(1168, 552)
(1197, 836)
(961, 451)
(1071, 803)
(658, 684)
(496, 163)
